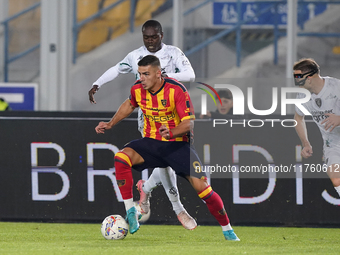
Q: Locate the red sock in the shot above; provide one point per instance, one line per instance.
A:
(215, 205)
(123, 174)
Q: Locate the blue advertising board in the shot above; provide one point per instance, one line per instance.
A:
(20, 96)
(226, 13)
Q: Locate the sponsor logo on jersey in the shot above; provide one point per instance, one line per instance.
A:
(320, 115)
(160, 118)
(155, 109)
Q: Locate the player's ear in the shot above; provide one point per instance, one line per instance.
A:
(309, 79)
(159, 74)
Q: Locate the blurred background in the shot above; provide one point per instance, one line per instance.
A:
(61, 47)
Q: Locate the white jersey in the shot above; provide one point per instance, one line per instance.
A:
(327, 101)
(173, 62)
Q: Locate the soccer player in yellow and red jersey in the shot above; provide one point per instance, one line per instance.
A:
(161, 108)
(176, 65)
(168, 114)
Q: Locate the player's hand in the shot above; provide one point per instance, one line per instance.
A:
(331, 121)
(307, 151)
(102, 126)
(164, 132)
(93, 91)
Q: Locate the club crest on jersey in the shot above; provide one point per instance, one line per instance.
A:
(318, 102)
(164, 101)
(121, 183)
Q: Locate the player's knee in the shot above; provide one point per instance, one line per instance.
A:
(336, 182)
(205, 192)
(199, 184)
(122, 158)
(170, 171)
(334, 175)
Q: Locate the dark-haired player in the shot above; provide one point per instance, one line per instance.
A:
(168, 113)
(175, 65)
(325, 109)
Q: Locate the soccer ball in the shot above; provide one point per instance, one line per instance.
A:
(114, 227)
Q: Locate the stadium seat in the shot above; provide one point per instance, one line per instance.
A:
(336, 49)
(112, 23)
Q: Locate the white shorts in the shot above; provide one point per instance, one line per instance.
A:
(332, 156)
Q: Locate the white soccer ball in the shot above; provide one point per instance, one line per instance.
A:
(114, 227)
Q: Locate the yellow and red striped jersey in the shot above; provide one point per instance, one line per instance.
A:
(170, 105)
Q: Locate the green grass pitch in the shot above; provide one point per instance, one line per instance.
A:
(55, 238)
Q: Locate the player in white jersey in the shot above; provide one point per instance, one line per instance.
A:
(175, 65)
(324, 106)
